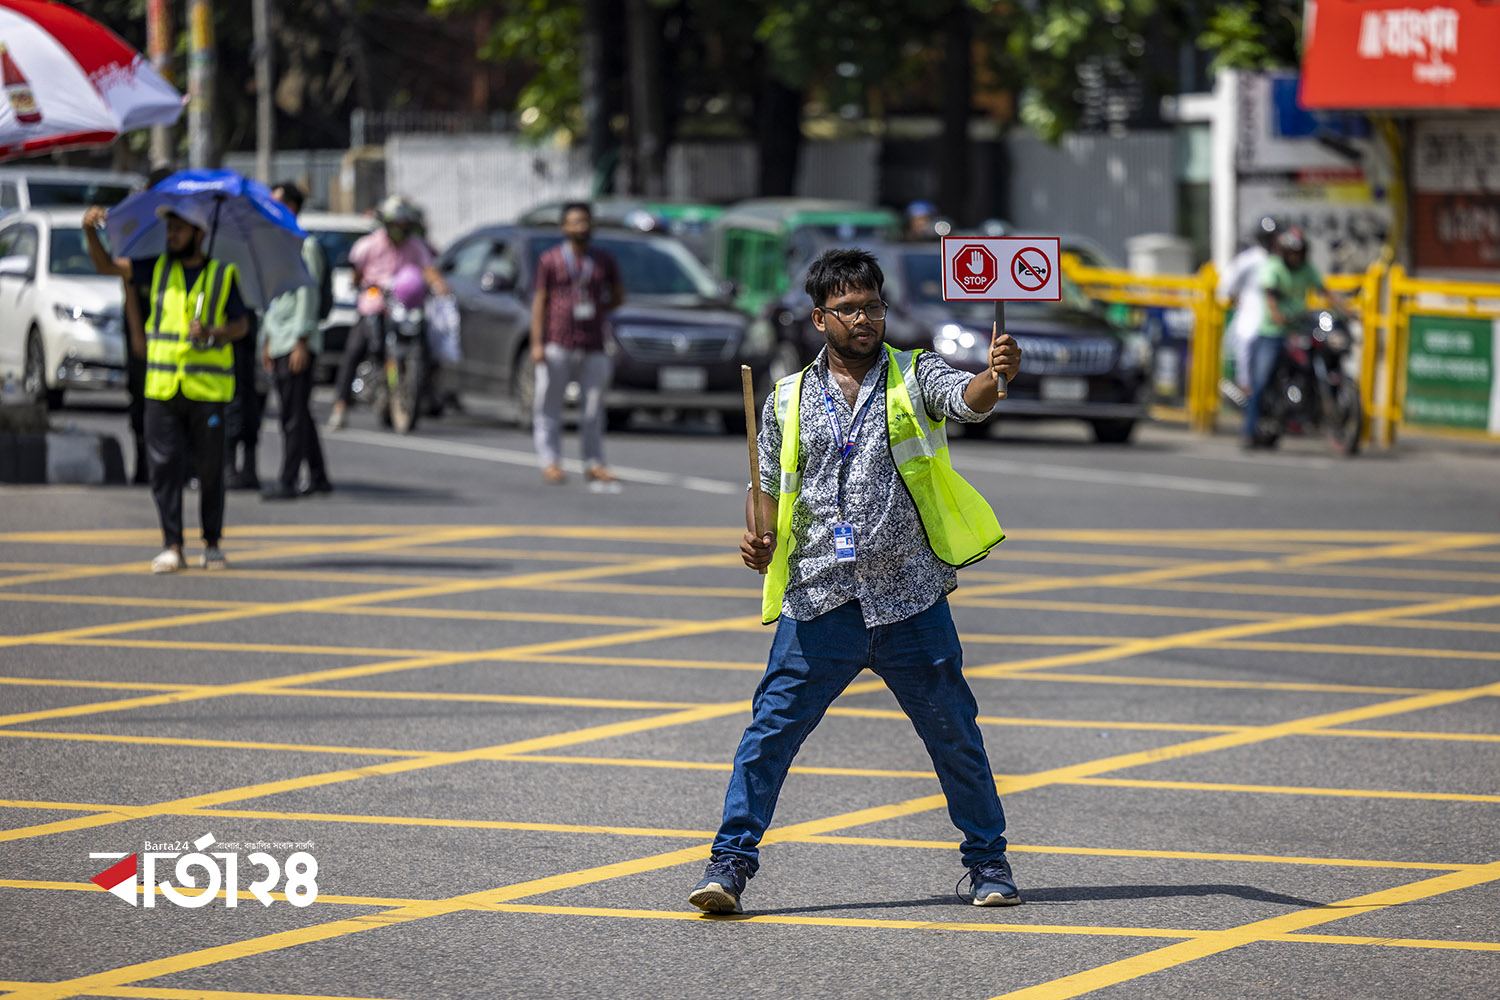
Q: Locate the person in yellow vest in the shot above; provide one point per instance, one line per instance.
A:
(871, 523)
(194, 313)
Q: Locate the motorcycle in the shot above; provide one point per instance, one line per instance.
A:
(1309, 388)
(394, 377)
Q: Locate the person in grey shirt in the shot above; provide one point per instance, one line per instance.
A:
(290, 338)
(882, 606)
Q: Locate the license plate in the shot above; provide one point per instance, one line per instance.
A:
(676, 379)
(1064, 389)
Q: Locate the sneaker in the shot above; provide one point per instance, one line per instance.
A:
(213, 558)
(554, 474)
(169, 561)
(993, 884)
(723, 881)
(600, 474)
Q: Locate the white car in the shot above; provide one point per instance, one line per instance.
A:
(337, 233)
(28, 187)
(61, 323)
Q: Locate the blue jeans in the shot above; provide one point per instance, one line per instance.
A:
(811, 663)
(1264, 353)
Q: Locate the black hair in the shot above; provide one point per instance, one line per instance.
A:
(291, 193)
(157, 175)
(576, 206)
(842, 270)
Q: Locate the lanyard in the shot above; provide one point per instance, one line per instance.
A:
(578, 273)
(845, 445)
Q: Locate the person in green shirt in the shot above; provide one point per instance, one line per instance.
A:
(1286, 280)
(290, 337)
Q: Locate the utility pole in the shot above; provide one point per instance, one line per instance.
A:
(200, 83)
(595, 114)
(642, 40)
(159, 47)
(265, 115)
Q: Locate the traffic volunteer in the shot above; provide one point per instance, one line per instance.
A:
(871, 522)
(195, 314)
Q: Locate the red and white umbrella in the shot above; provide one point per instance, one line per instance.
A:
(69, 81)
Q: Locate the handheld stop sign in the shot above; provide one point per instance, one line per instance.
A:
(1001, 269)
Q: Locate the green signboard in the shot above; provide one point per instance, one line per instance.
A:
(1450, 372)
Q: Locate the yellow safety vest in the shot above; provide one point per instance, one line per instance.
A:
(172, 362)
(961, 528)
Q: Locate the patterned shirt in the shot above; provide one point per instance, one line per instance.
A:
(569, 281)
(895, 574)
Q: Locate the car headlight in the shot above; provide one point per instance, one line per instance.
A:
(760, 337)
(949, 339)
(1135, 351)
(78, 314)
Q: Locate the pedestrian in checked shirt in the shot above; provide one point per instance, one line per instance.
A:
(577, 287)
(871, 523)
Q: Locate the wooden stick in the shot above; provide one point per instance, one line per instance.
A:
(749, 391)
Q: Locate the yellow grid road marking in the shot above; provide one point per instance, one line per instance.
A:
(780, 919)
(1213, 943)
(904, 806)
(1348, 793)
(828, 839)
(174, 741)
(162, 993)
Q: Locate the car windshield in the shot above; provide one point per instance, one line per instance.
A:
(49, 194)
(924, 277)
(69, 254)
(649, 267)
(336, 244)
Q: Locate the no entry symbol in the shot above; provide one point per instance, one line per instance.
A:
(1030, 268)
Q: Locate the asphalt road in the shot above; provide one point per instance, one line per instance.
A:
(1244, 712)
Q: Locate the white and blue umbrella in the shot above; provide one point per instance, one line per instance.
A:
(245, 226)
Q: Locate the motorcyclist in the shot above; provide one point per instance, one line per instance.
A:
(377, 258)
(1286, 279)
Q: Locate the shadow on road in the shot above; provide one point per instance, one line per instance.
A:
(1073, 894)
(368, 492)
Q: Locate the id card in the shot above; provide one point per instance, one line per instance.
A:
(583, 311)
(843, 542)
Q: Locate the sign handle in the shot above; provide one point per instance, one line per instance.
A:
(1000, 380)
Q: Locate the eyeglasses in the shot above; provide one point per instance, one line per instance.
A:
(848, 314)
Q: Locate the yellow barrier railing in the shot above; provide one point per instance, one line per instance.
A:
(1381, 300)
(1193, 292)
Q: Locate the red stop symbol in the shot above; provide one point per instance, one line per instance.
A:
(975, 269)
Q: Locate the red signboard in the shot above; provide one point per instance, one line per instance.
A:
(1401, 54)
(1453, 230)
(975, 268)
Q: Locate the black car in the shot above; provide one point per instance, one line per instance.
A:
(677, 343)
(1074, 362)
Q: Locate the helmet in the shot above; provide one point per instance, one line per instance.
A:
(409, 287)
(1291, 240)
(917, 208)
(1265, 232)
(396, 210)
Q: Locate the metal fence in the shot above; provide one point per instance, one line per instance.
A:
(317, 170)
